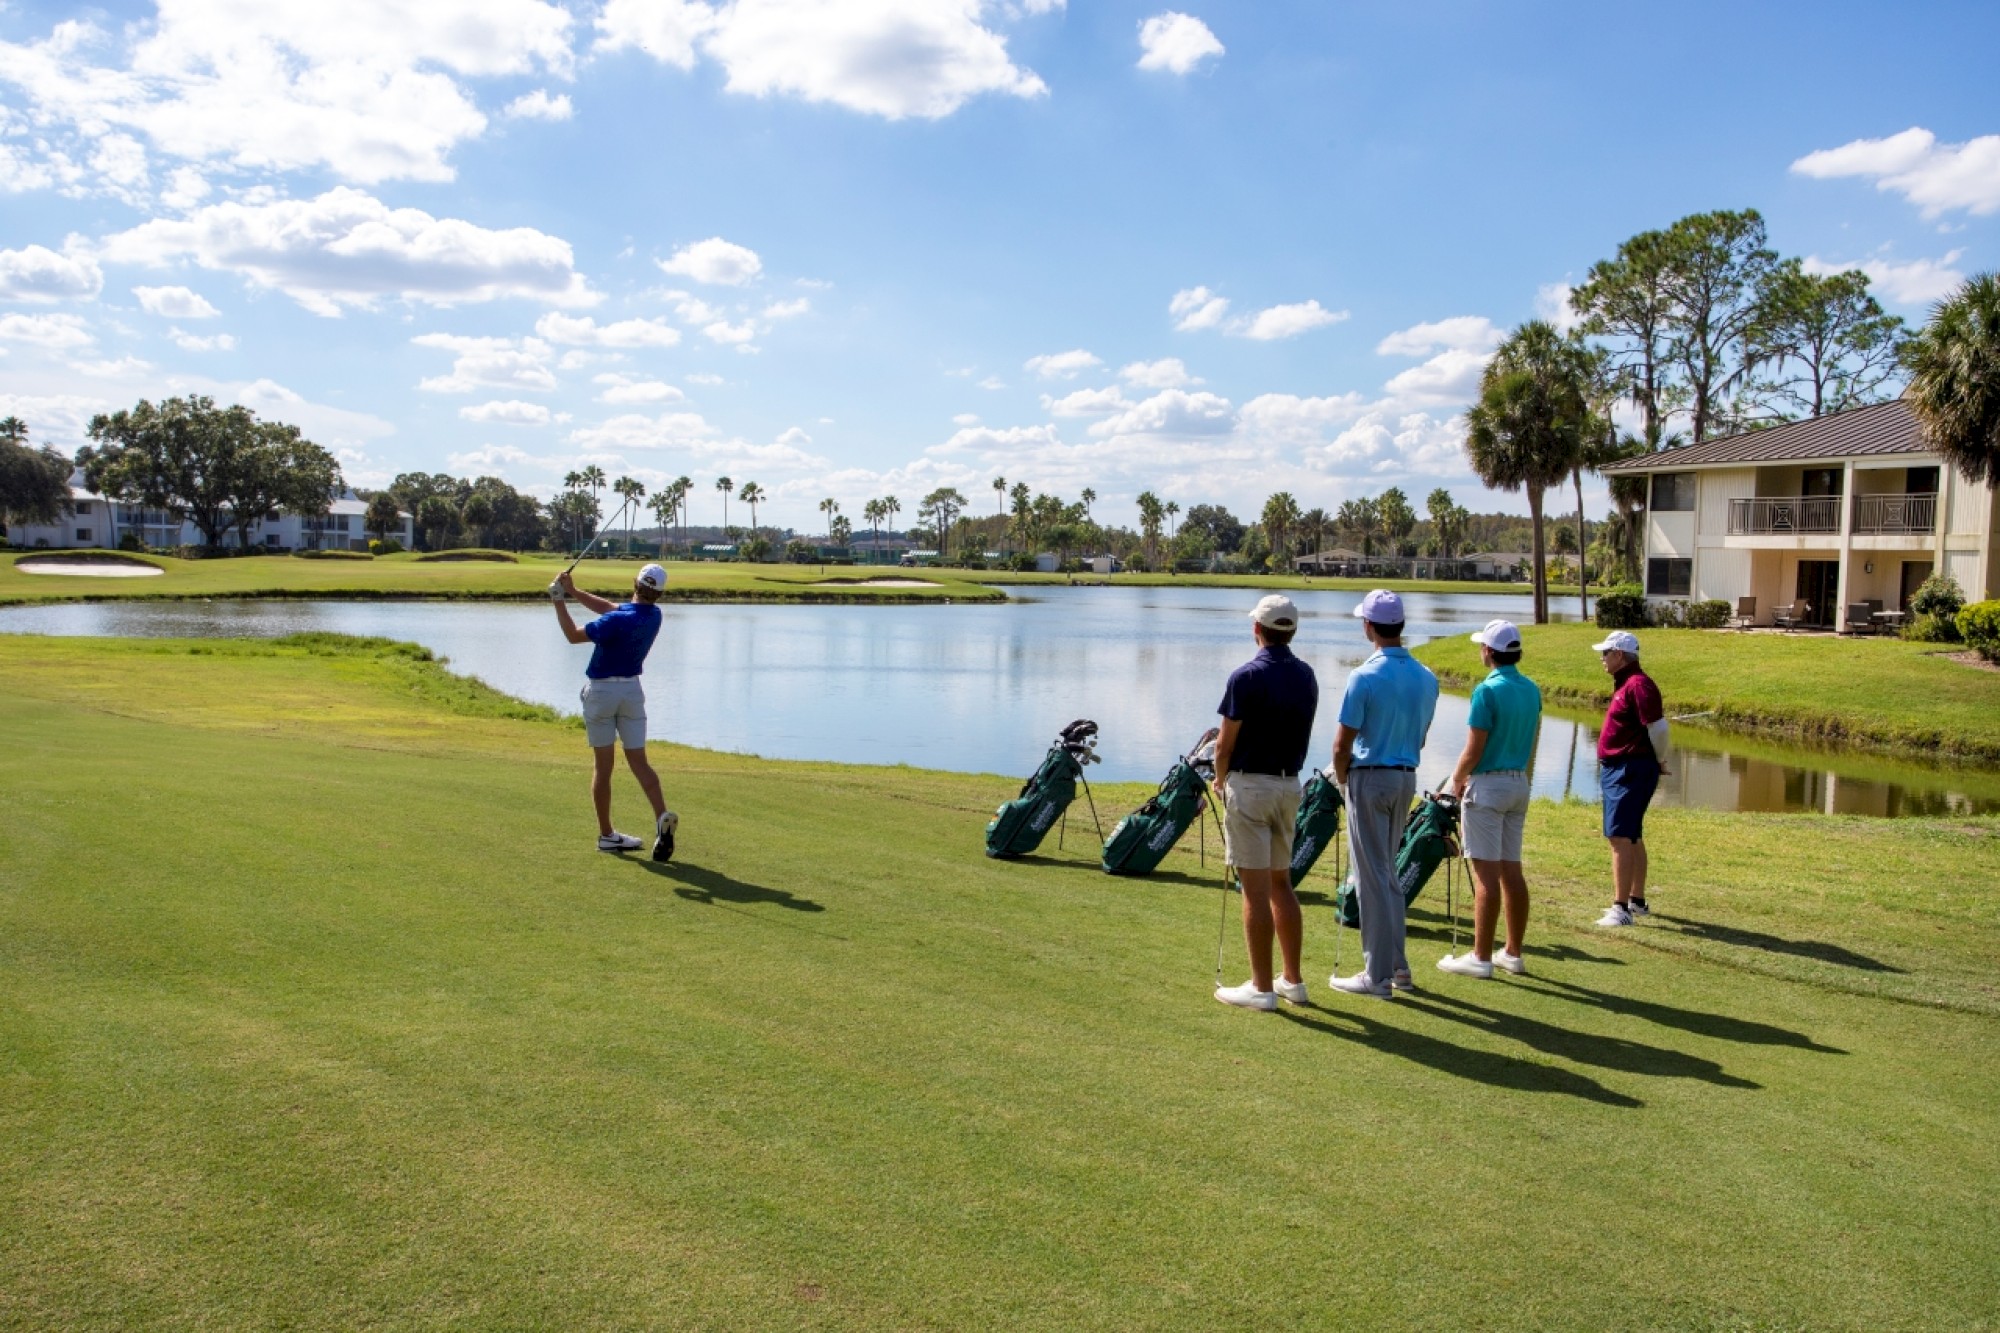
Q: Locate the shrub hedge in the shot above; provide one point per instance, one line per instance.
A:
(333, 555)
(1980, 624)
(1622, 607)
(471, 553)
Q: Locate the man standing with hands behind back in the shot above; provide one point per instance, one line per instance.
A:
(1267, 720)
(1385, 717)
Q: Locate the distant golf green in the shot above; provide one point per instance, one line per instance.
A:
(318, 1010)
(1918, 698)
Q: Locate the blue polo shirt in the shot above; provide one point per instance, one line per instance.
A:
(1390, 700)
(1274, 695)
(623, 637)
(1507, 706)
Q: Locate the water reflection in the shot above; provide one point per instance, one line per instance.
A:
(982, 688)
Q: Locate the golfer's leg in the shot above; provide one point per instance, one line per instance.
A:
(1514, 884)
(1637, 874)
(649, 781)
(1374, 868)
(1485, 907)
(1288, 922)
(1623, 868)
(604, 758)
(1257, 923)
(1404, 786)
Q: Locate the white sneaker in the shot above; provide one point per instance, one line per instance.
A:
(1401, 979)
(618, 842)
(663, 845)
(1467, 965)
(1359, 984)
(1247, 996)
(1638, 909)
(1615, 915)
(1510, 962)
(1294, 991)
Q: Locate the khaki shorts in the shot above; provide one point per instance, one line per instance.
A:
(614, 709)
(1494, 814)
(1257, 821)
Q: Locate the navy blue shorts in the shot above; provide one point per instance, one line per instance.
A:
(1628, 786)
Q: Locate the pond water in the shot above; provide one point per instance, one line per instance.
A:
(983, 688)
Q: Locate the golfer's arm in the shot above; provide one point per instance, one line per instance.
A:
(594, 604)
(1468, 759)
(1343, 752)
(1225, 747)
(569, 627)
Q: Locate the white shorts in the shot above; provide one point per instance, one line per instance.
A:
(614, 710)
(1257, 821)
(1494, 815)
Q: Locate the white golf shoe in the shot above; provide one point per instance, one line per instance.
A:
(1292, 992)
(1510, 962)
(1615, 915)
(1247, 996)
(1465, 965)
(618, 842)
(1359, 984)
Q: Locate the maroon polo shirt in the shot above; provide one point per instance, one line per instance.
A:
(1635, 705)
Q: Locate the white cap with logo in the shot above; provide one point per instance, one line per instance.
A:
(1618, 641)
(1499, 635)
(1380, 607)
(1276, 612)
(653, 578)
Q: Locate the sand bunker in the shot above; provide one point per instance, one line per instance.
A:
(876, 583)
(92, 569)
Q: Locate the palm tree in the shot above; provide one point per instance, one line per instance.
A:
(13, 430)
(891, 507)
(752, 494)
(632, 491)
(662, 507)
(1530, 423)
(1281, 514)
(1173, 512)
(1151, 511)
(1312, 529)
(725, 485)
(593, 477)
(683, 487)
(1022, 506)
(829, 507)
(1954, 365)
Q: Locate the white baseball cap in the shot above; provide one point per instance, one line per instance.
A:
(1276, 612)
(1620, 640)
(652, 578)
(1380, 607)
(1499, 635)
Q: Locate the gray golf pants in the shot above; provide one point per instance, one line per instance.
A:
(1378, 806)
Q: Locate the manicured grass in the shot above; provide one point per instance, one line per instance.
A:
(318, 1011)
(1878, 693)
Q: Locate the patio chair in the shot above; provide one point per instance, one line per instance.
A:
(1860, 620)
(1791, 616)
(1746, 613)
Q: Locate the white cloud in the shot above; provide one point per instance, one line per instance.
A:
(688, 433)
(175, 303)
(1004, 439)
(1167, 373)
(1470, 332)
(37, 273)
(1452, 376)
(1288, 420)
(629, 390)
(1172, 412)
(1196, 308)
(1286, 321)
(50, 331)
(778, 310)
(1061, 365)
(966, 419)
(347, 248)
(1175, 42)
(724, 332)
(538, 105)
(992, 382)
(1917, 282)
(889, 58)
(186, 187)
(714, 261)
(212, 342)
(583, 331)
(1552, 303)
(1086, 403)
(794, 436)
(506, 412)
(331, 426)
(490, 459)
(370, 90)
(705, 378)
(124, 368)
(1935, 177)
(497, 363)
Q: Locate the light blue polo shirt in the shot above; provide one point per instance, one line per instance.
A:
(1507, 706)
(1390, 701)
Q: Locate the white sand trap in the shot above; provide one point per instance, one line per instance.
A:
(90, 569)
(877, 583)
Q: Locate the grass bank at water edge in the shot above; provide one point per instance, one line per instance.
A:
(1884, 694)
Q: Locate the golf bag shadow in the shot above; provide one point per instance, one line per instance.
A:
(1429, 838)
(1141, 840)
(1019, 826)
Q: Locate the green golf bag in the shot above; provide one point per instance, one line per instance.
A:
(1430, 836)
(1019, 826)
(1318, 823)
(1141, 840)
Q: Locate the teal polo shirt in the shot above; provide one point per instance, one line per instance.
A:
(1507, 706)
(1389, 702)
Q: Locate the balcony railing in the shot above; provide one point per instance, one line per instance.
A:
(1784, 515)
(1876, 514)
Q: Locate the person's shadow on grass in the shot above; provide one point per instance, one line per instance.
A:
(1723, 1026)
(697, 885)
(1753, 939)
(1490, 1067)
(1584, 1048)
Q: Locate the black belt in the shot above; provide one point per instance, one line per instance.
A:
(1266, 773)
(1390, 768)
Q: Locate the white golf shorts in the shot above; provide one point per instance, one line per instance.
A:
(1257, 820)
(614, 709)
(1494, 815)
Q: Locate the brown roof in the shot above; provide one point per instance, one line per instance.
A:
(1885, 428)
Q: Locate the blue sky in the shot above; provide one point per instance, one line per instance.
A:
(883, 245)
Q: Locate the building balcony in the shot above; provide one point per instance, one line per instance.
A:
(1895, 515)
(1785, 516)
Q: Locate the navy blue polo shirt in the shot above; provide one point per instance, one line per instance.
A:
(1274, 695)
(623, 637)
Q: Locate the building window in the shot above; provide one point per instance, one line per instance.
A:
(1673, 492)
(83, 508)
(1669, 578)
(83, 534)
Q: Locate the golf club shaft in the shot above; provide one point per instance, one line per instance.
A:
(615, 520)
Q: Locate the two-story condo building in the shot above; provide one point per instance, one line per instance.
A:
(1822, 518)
(94, 521)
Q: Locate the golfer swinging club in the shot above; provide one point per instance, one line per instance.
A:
(614, 705)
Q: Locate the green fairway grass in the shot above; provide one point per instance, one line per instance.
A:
(319, 1010)
(1883, 694)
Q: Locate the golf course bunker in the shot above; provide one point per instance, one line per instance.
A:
(93, 567)
(876, 583)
